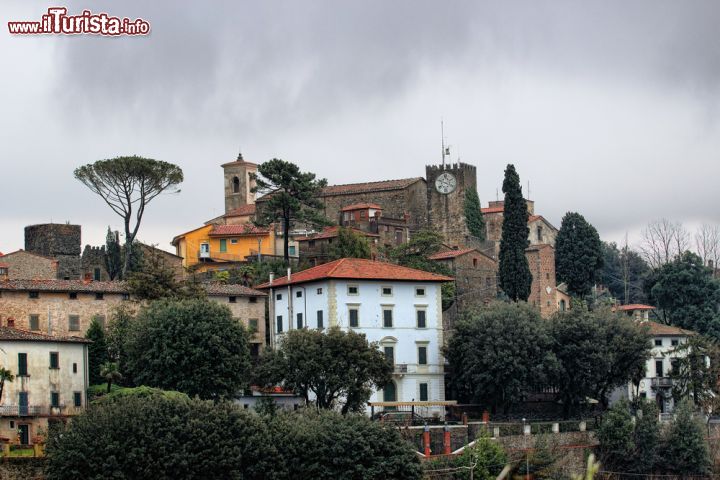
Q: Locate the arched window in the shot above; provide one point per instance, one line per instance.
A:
(236, 185)
(562, 305)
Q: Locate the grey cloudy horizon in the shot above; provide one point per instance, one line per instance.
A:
(607, 108)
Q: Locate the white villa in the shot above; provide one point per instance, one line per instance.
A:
(399, 308)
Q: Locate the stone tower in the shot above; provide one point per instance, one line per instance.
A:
(446, 187)
(59, 241)
(238, 184)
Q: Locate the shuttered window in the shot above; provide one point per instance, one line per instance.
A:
(22, 364)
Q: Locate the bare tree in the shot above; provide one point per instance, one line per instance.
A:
(663, 240)
(707, 243)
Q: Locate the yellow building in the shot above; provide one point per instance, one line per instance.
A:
(212, 247)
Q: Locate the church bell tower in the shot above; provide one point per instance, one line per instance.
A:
(238, 184)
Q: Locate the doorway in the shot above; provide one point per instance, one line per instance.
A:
(24, 433)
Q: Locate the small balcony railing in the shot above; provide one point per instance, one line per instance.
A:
(38, 411)
(661, 382)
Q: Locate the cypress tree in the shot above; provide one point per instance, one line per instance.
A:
(473, 215)
(578, 254)
(514, 272)
(97, 351)
(686, 451)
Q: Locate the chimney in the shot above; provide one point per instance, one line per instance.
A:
(11, 322)
(87, 278)
(272, 277)
(289, 272)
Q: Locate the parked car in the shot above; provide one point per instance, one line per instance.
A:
(400, 418)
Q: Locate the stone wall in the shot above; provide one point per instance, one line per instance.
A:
(29, 266)
(93, 263)
(543, 295)
(446, 212)
(23, 468)
(246, 309)
(58, 241)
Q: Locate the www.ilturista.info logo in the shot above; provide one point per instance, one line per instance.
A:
(57, 21)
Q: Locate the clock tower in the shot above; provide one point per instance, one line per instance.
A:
(446, 187)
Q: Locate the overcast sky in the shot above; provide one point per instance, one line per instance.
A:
(607, 108)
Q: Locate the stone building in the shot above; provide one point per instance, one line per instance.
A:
(60, 242)
(239, 182)
(27, 265)
(544, 292)
(67, 307)
(447, 186)
(50, 385)
(315, 249)
(541, 231)
(369, 218)
(93, 264)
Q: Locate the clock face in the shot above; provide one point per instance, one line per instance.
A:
(445, 183)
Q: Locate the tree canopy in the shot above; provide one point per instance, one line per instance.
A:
(687, 294)
(113, 255)
(349, 244)
(473, 215)
(623, 273)
(97, 351)
(514, 272)
(194, 346)
(292, 197)
(500, 354)
(332, 367)
(128, 185)
(578, 254)
(685, 448)
(154, 279)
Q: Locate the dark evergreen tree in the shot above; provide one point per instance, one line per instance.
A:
(646, 438)
(514, 272)
(623, 273)
(685, 450)
(578, 254)
(616, 439)
(473, 215)
(291, 197)
(97, 351)
(113, 257)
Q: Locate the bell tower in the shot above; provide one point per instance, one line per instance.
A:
(446, 188)
(238, 184)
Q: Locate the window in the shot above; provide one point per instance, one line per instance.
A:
(299, 321)
(422, 355)
(278, 296)
(319, 291)
(320, 322)
(658, 342)
(254, 350)
(126, 296)
(33, 294)
(77, 399)
(253, 323)
(562, 305)
(34, 322)
(252, 300)
(72, 295)
(233, 241)
(55, 399)
(352, 289)
(99, 296)
(419, 291)
(389, 354)
(387, 291)
(539, 234)
(74, 367)
(398, 237)
(423, 392)
(421, 319)
(474, 262)
(100, 319)
(74, 323)
(236, 185)
(291, 249)
(387, 318)
(22, 365)
(54, 360)
(298, 294)
(223, 245)
(658, 368)
(674, 342)
(674, 364)
(353, 315)
(362, 214)
(96, 274)
(311, 243)
(279, 324)
(232, 299)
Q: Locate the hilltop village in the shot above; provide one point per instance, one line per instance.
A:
(442, 310)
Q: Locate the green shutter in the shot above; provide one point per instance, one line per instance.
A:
(22, 364)
(223, 245)
(423, 392)
(422, 355)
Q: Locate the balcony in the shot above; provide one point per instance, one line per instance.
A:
(661, 382)
(204, 254)
(38, 411)
(403, 368)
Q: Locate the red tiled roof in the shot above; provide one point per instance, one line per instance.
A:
(658, 329)
(634, 306)
(216, 289)
(242, 211)
(332, 232)
(16, 334)
(358, 269)
(450, 254)
(229, 230)
(4, 265)
(64, 286)
(369, 186)
(361, 206)
(492, 210)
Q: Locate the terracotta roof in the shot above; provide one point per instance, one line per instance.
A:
(215, 289)
(361, 206)
(4, 265)
(16, 334)
(369, 186)
(246, 229)
(358, 269)
(242, 211)
(533, 218)
(63, 286)
(634, 306)
(492, 210)
(451, 254)
(30, 253)
(332, 232)
(658, 329)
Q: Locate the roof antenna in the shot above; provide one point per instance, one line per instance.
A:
(442, 141)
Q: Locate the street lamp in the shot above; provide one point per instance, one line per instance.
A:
(527, 461)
